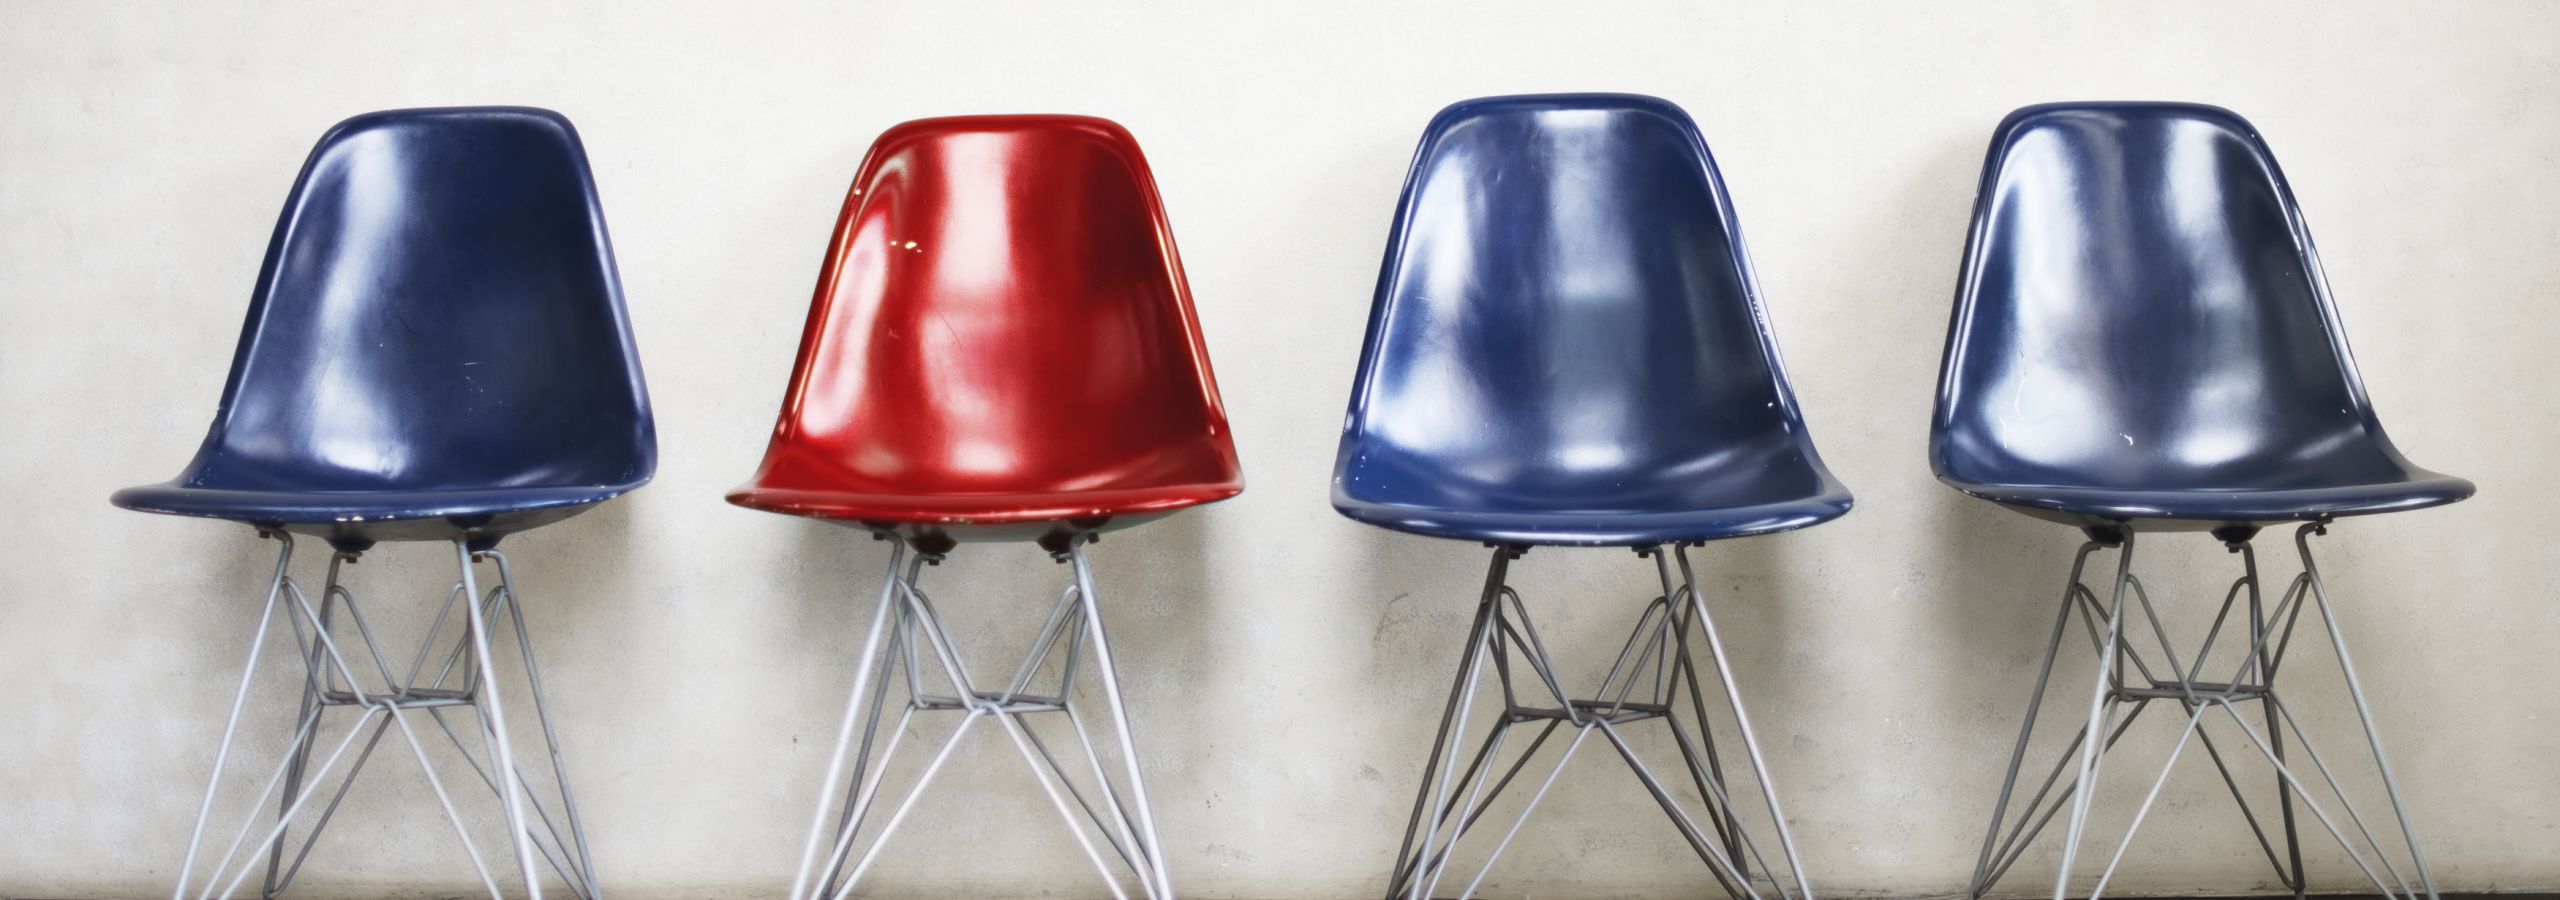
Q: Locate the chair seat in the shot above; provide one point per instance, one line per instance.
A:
(2198, 509)
(436, 348)
(1602, 527)
(1567, 346)
(1006, 378)
(358, 519)
(2142, 337)
(1748, 485)
(986, 516)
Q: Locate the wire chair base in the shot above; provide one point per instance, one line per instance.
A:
(2127, 683)
(1655, 680)
(908, 644)
(339, 678)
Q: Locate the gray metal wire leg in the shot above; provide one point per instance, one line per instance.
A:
(384, 701)
(1655, 678)
(909, 647)
(2128, 682)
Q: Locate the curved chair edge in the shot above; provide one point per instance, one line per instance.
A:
(1600, 530)
(1051, 525)
(965, 509)
(312, 507)
(416, 515)
(2206, 510)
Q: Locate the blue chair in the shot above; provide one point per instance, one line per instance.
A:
(2143, 342)
(1567, 349)
(436, 351)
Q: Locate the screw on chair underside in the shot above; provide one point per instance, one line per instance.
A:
(337, 673)
(1654, 682)
(2130, 681)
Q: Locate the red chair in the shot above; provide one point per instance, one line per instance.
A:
(1001, 348)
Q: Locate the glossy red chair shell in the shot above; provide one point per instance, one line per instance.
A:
(1001, 346)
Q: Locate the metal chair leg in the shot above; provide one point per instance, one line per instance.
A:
(1655, 678)
(585, 872)
(330, 678)
(872, 646)
(495, 709)
(2364, 712)
(2110, 672)
(312, 690)
(1109, 672)
(1982, 873)
(239, 701)
(2270, 634)
(1742, 723)
(2290, 870)
(1110, 820)
(1433, 796)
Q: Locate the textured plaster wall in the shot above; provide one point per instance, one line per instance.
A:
(1284, 663)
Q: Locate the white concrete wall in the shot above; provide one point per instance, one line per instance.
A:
(1285, 663)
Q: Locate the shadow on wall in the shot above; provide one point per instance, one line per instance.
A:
(1994, 580)
(1992, 614)
(590, 562)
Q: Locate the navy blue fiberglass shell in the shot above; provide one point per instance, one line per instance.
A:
(2143, 336)
(437, 345)
(1567, 345)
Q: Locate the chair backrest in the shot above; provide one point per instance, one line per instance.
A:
(438, 310)
(1565, 318)
(1001, 311)
(2141, 308)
